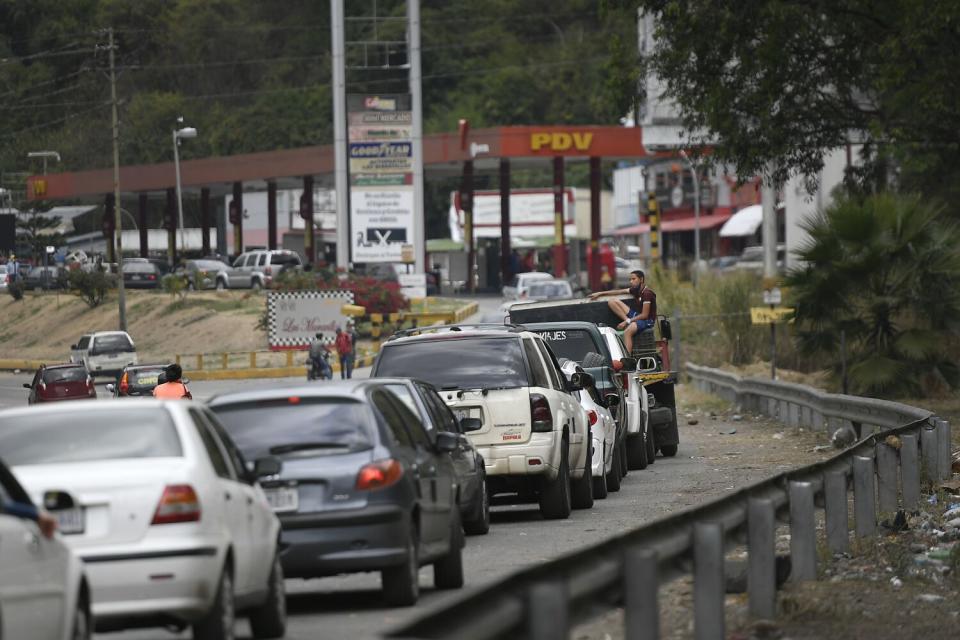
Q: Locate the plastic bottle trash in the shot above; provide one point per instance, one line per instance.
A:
(929, 597)
(896, 582)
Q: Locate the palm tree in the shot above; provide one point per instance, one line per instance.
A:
(884, 269)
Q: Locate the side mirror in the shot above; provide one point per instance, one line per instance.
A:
(268, 466)
(612, 400)
(58, 501)
(629, 364)
(448, 442)
(579, 380)
(110, 388)
(471, 424)
(27, 385)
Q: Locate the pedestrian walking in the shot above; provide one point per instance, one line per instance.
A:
(344, 345)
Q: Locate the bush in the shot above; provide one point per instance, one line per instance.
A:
(175, 285)
(91, 286)
(377, 296)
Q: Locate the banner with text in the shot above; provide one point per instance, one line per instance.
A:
(294, 318)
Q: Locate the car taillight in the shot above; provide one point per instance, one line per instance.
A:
(379, 475)
(151, 277)
(124, 383)
(593, 417)
(541, 417)
(179, 503)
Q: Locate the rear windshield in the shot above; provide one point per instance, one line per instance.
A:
(82, 436)
(550, 290)
(573, 344)
(210, 265)
(144, 377)
(311, 426)
(65, 374)
(112, 344)
(139, 267)
(469, 363)
(285, 259)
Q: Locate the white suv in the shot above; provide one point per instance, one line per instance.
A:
(104, 353)
(534, 435)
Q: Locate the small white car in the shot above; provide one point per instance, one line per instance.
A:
(43, 592)
(603, 429)
(534, 438)
(104, 353)
(640, 441)
(169, 520)
(521, 282)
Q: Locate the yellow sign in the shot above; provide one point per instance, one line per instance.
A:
(39, 188)
(768, 315)
(560, 141)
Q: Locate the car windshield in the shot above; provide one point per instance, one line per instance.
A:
(466, 363)
(112, 344)
(285, 259)
(573, 344)
(210, 265)
(110, 433)
(65, 374)
(296, 424)
(550, 290)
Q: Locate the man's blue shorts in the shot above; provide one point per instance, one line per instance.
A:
(642, 325)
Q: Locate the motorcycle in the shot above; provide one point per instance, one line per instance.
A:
(320, 370)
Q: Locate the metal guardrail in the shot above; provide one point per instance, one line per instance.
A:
(544, 601)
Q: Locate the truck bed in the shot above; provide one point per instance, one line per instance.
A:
(595, 311)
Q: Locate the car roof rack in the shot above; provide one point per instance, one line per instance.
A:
(446, 328)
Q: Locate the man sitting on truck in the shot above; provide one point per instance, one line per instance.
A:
(633, 321)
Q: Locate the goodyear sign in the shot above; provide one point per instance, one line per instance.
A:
(770, 315)
(560, 141)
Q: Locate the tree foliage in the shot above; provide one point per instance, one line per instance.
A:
(885, 270)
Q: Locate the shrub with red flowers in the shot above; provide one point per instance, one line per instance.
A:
(375, 295)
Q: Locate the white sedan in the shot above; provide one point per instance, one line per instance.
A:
(43, 592)
(169, 521)
(603, 429)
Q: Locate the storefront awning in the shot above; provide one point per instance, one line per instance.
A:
(674, 226)
(743, 223)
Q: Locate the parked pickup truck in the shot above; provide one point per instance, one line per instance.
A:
(650, 398)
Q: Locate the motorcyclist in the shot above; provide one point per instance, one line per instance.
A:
(319, 356)
(173, 388)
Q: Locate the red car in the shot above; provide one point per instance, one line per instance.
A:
(61, 382)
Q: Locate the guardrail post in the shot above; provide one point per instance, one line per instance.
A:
(253, 359)
(289, 358)
(910, 471)
(793, 415)
(547, 616)
(943, 426)
(200, 361)
(837, 511)
(864, 497)
(929, 453)
(641, 607)
(761, 559)
(803, 533)
(177, 359)
(709, 590)
(224, 360)
(783, 411)
(887, 477)
(771, 407)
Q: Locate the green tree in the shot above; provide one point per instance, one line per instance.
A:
(884, 269)
(39, 231)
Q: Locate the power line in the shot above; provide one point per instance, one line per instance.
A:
(51, 53)
(45, 83)
(51, 123)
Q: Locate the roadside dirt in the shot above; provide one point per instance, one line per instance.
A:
(897, 585)
(42, 327)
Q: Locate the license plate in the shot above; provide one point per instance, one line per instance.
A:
(134, 277)
(70, 521)
(283, 498)
(469, 412)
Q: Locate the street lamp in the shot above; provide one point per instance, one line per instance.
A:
(44, 155)
(696, 217)
(178, 135)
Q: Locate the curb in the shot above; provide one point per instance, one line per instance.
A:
(25, 365)
(267, 372)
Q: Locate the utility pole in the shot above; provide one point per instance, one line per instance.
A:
(419, 225)
(118, 218)
(342, 186)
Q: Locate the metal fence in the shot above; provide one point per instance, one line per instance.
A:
(545, 601)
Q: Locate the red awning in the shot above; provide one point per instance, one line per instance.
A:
(681, 224)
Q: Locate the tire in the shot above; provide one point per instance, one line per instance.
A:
(668, 450)
(448, 570)
(613, 478)
(82, 627)
(581, 490)
(221, 285)
(600, 487)
(555, 497)
(651, 446)
(256, 285)
(401, 584)
(219, 621)
(636, 451)
(624, 468)
(479, 524)
(269, 620)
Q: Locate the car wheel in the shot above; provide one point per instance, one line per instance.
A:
(651, 446)
(581, 491)
(221, 285)
(600, 487)
(624, 468)
(256, 285)
(480, 524)
(613, 478)
(269, 620)
(636, 451)
(555, 496)
(401, 584)
(448, 570)
(81, 628)
(219, 621)
(668, 450)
